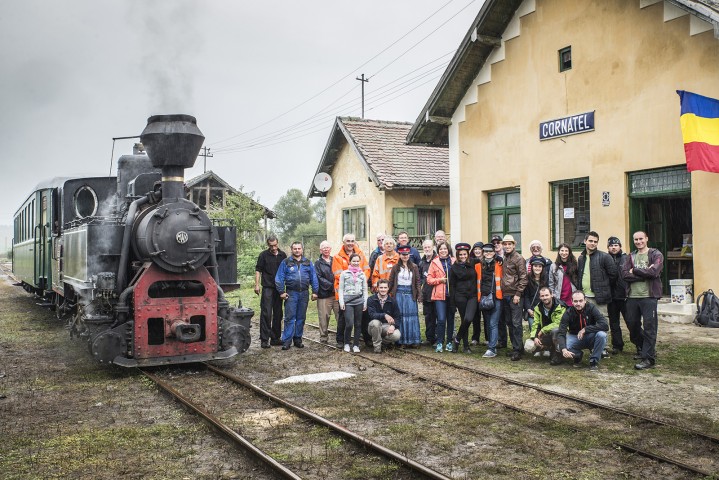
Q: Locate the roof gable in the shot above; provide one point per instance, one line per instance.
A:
(388, 160)
(483, 36)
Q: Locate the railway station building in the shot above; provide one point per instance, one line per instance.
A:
(562, 116)
(379, 184)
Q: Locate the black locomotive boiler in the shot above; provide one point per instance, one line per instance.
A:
(140, 270)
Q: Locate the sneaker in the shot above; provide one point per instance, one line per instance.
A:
(356, 349)
(546, 353)
(644, 364)
(347, 348)
(556, 361)
(593, 366)
(577, 362)
(438, 349)
(537, 354)
(616, 351)
(516, 356)
(276, 342)
(605, 353)
(265, 345)
(449, 347)
(489, 354)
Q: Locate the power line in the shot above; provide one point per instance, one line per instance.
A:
(343, 77)
(378, 94)
(296, 135)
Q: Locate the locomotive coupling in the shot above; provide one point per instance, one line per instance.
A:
(186, 332)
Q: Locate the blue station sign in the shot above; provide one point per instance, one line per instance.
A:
(561, 127)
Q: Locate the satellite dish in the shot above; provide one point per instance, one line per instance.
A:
(323, 182)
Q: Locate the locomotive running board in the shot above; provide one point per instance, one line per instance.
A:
(159, 361)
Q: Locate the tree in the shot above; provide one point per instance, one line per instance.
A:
(292, 209)
(311, 234)
(246, 214)
(319, 209)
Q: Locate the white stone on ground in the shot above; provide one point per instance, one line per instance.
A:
(316, 377)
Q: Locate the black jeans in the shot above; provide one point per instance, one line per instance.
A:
(513, 315)
(467, 312)
(614, 308)
(430, 322)
(270, 315)
(643, 336)
(353, 318)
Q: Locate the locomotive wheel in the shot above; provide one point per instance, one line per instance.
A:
(237, 336)
(108, 345)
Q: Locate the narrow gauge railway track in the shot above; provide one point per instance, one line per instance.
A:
(679, 463)
(414, 469)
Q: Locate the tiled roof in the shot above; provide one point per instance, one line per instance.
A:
(383, 145)
(382, 149)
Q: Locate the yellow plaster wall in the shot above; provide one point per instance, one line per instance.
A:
(349, 169)
(626, 65)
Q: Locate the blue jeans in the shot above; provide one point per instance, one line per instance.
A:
(445, 321)
(493, 325)
(592, 341)
(295, 314)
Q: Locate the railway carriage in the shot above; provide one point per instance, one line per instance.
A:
(140, 270)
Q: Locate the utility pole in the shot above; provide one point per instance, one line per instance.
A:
(363, 80)
(205, 153)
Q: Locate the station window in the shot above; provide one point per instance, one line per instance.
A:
(354, 222)
(505, 215)
(565, 59)
(570, 211)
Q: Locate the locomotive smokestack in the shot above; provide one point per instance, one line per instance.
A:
(172, 142)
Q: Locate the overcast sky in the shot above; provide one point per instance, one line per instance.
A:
(264, 80)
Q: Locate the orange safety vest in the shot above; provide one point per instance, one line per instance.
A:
(497, 280)
(382, 268)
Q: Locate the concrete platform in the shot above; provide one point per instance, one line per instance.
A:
(676, 312)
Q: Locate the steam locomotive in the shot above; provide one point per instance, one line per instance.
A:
(140, 270)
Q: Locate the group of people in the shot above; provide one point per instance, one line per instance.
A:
(570, 304)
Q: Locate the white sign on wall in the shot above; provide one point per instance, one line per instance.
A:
(568, 213)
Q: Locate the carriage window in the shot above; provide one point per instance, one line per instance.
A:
(85, 202)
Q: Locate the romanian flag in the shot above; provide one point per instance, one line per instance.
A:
(700, 130)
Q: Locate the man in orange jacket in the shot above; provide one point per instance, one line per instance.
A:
(340, 263)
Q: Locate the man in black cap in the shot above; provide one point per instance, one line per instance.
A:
(619, 296)
(497, 242)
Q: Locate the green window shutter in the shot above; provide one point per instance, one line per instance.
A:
(404, 219)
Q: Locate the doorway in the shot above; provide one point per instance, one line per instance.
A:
(660, 205)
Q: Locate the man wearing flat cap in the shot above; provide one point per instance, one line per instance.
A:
(514, 281)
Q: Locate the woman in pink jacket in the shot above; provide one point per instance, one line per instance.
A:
(438, 276)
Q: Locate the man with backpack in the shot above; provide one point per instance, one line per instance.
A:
(642, 272)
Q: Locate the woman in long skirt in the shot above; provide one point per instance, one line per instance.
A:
(405, 286)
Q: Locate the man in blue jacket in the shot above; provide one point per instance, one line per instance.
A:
(293, 280)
